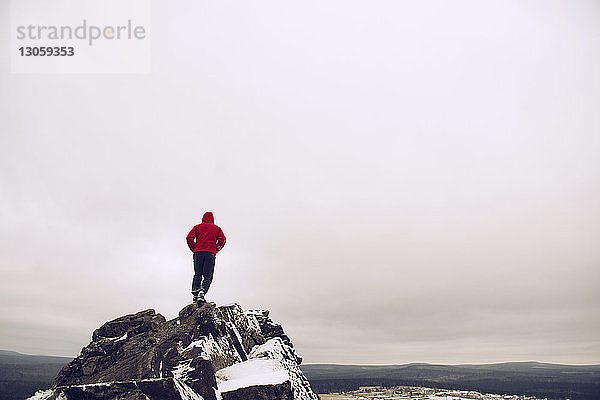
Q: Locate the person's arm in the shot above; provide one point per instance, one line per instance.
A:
(191, 238)
(220, 240)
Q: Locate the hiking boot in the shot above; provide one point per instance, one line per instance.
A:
(199, 298)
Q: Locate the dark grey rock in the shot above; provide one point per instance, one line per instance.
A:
(143, 356)
(161, 389)
(281, 391)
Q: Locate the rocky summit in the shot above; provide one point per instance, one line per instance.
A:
(206, 353)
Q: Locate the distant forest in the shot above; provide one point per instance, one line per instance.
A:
(21, 375)
(550, 381)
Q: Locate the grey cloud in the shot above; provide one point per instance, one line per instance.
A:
(398, 182)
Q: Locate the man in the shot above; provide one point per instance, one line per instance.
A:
(205, 240)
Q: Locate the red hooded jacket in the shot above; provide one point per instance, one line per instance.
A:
(206, 236)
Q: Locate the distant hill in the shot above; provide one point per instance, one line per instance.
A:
(577, 382)
(22, 374)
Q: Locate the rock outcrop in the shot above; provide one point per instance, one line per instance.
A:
(207, 353)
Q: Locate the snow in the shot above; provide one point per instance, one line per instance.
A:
(237, 335)
(41, 395)
(212, 349)
(208, 346)
(122, 337)
(46, 394)
(253, 323)
(275, 349)
(272, 348)
(253, 372)
(182, 370)
(84, 387)
(258, 311)
(225, 305)
(185, 391)
(117, 338)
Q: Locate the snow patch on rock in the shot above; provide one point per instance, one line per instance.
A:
(276, 349)
(182, 370)
(42, 395)
(253, 372)
(213, 350)
(185, 391)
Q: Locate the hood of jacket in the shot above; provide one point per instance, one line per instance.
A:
(208, 218)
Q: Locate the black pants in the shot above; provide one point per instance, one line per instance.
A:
(204, 268)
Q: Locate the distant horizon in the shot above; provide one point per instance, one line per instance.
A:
(456, 365)
(363, 365)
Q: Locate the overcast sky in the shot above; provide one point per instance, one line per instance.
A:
(398, 181)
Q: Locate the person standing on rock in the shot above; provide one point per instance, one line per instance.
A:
(205, 240)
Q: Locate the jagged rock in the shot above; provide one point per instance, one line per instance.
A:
(206, 353)
(281, 391)
(157, 389)
(131, 325)
(269, 329)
